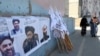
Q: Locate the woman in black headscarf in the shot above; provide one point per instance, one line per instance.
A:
(83, 25)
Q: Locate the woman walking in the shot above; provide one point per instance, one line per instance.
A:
(83, 25)
(93, 25)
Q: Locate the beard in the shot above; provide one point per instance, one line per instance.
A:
(45, 33)
(16, 27)
(8, 52)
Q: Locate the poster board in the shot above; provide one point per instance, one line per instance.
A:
(21, 37)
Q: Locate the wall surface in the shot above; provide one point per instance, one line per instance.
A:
(26, 7)
(91, 7)
(29, 7)
(20, 7)
(61, 5)
(14, 7)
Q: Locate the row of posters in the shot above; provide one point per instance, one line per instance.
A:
(21, 36)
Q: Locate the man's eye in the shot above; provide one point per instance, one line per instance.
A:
(10, 44)
(4, 46)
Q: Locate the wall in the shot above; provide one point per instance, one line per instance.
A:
(28, 7)
(61, 5)
(70, 22)
(23, 7)
(14, 7)
(91, 7)
(20, 7)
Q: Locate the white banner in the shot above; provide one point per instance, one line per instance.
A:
(57, 21)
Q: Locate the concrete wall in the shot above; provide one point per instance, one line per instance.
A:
(91, 7)
(28, 7)
(61, 5)
(14, 7)
(70, 22)
(20, 7)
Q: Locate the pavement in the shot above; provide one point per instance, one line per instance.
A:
(83, 45)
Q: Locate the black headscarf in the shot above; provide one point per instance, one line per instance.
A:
(83, 21)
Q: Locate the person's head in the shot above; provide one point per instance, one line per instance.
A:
(84, 16)
(94, 17)
(16, 23)
(44, 30)
(6, 46)
(29, 30)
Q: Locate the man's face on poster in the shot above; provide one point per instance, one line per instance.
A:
(44, 30)
(16, 25)
(7, 48)
(30, 34)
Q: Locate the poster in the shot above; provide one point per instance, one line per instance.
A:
(6, 42)
(15, 26)
(3, 29)
(32, 34)
(38, 23)
(28, 33)
(44, 28)
(16, 30)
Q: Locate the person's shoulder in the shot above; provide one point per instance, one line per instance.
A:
(36, 34)
(12, 31)
(25, 44)
(47, 36)
(42, 40)
(25, 40)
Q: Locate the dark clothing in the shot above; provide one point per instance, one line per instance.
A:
(14, 31)
(83, 31)
(44, 38)
(29, 44)
(83, 25)
(83, 22)
(15, 54)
